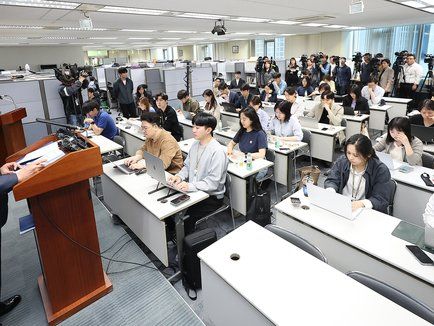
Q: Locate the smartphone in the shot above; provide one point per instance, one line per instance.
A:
(420, 255)
(295, 201)
(305, 191)
(179, 200)
(325, 128)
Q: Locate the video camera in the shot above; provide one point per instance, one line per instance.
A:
(400, 58)
(429, 59)
(69, 74)
(259, 64)
(357, 59)
(336, 59)
(303, 60)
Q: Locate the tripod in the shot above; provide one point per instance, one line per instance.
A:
(429, 76)
(398, 71)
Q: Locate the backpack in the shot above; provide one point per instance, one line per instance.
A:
(259, 206)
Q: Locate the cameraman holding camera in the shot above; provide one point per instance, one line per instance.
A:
(409, 78)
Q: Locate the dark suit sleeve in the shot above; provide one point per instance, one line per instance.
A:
(115, 89)
(7, 181)
(381, 189)
(334, 179)
(363, 106)
(171, 124)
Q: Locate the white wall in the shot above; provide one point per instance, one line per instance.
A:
(13, 56)
(224, 50)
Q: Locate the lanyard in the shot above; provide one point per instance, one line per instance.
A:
(354, 192)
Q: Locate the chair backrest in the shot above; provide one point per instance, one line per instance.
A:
(343, 122)
(428, 160)
(119, 140)
(306, 136)
(393, 185)
(269, 155)
(297, 241)
(395, 295)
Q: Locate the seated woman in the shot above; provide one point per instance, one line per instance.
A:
(250, 138)
(360, 175)
(399, 142)
(426, 116)
(328, 80)
(160, 143)
(142, 91)
(269, 94)
(356, 100)
(321, 89)
(305, 89)
(144, 106)
(264, 118)
(211, 105)
(284, 124)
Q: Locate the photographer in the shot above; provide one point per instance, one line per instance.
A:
(70, 93)
(313, 72)
(386, 77)
(342, 75)
(365, 69)
(291, 75)
(123, 91)
(409, 78)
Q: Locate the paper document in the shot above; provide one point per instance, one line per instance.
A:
(49, 152)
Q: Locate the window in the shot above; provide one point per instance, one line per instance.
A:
(279, 50)
(259, 48)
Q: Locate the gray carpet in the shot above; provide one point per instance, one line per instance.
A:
(141, 296)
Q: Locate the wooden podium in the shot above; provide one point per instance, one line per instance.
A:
(11, 133)
(60, 201)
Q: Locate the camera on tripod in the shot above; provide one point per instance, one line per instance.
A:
(336, 59)
(303, 60)
(259, 64)
(400, 58)
(69, 74)
(357, 57)
(429, 59)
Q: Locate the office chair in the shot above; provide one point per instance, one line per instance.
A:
(395, 295)
(393, 186)
(297, 241)
(269, 155)
(228, 205)
(113, 156)
(307, 136)
(428, 160)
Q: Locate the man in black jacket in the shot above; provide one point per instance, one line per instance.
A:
(245, 98)
(168, 115)
(9, 177)
(342, 75)
(123, 91)
(237, 82)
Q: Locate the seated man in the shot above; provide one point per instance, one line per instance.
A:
(93, 95)
(227, 95)
(159, 143)
(100, 121)
(279, 84)
(168, 116)
(188, 104)
(204, 169)
(237, 82)
(245, 98)
(372, 92)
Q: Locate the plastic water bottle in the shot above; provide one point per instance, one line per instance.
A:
(277, 142)
(249, 162)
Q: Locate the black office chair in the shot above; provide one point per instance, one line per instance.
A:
(270, 156)
(297, 241)
(393, 186)
(395, 295)
(428, 160)
(114, 156)
(307, 136)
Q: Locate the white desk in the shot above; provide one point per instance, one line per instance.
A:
(378, 116)
(186, 125)
(229, 116)
(276, 283)
(132, 133)
(322, 143)
(365, 244)
(105, 145)
(354, 124)
(240, 177)
(127, 196)
(399, 106)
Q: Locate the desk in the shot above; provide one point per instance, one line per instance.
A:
(378, 116)
(134, 137)
(105, 145)
(276, 283)
(127, 196)
(429, 148)
(240, 177)
(365, 244)
(322, 143)
(399, 106)
(187, 125)
(354, 124)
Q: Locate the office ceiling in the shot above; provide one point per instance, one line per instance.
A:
(169, 28)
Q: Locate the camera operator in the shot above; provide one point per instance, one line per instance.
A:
(324, 66)
(342, 75)
(123, 91)
(386, 77)
(409, 78)
(365, 69)
(70, 93)
(291, 75)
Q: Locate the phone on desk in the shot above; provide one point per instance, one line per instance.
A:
(295, 201)
(179, 200)
(325, 128)
(420, 255)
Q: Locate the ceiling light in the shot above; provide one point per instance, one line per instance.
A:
(20, 27)
(81, 43)
(265, 34)
(201, 16)
(414, 4)
(13, 37)
(140, 38)
(135, 11)
(197, 38)
(287, 34)
(41, 4)
(251, 19)
(113, 43)
(138, 30)
(82, 29)
(58, 38)
(169, 38)
(183, 32)
(313, 25)
(242, 33)
(431, 10)
(335, 26)
(102, 38)
(284, 22)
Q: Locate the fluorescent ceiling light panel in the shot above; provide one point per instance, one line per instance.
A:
(138, 30)
(414, 4)
(335, 26)
(242, 33)
(202, 16)
(197, 38)
(41, 4)
(287, 34)
(169, 38)
(140, 38)
(82, 29)
(113, 43)
(313, 25)
(102, 38)
(58, 38)
(251, 19)
(431, 10)
(354, 27)
(20, 27)
(284, 22)
(265, 34)
(13, 38)
(135, 11)
(183, 32)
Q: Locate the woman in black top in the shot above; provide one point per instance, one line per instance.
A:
(356, 100)
(426, 116)
(291, 75)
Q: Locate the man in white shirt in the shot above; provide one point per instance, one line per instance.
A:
(297, 108)
(372, 92)
(279, 84)
(409, 78)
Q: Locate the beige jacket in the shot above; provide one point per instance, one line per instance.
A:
(335, 117)
(387, 76)
(416, 145)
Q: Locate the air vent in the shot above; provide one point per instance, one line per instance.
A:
(312, 19)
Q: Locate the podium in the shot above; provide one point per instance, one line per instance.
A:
(11, 133)
(60, 201)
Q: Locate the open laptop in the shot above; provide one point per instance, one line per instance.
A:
(332, 202)
(155, 169)
(187, 115)
(388, 161)
(307, 122)
(229, 107)
(233, 125)
(121, 167)
(425, 134)
(348, 110)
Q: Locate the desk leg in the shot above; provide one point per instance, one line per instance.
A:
(239, 194)
(180, 235)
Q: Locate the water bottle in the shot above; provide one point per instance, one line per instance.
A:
(308, 179)
(277, 143)
(249, 162)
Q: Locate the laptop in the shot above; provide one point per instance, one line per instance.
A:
(187, 115)
(307, 122)
(388, 161)
(348, 110)
(229, 107)
(155, 169)
(332, 202)
(425, 134)
(234, 126)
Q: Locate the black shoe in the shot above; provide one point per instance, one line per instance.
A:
(9, 304)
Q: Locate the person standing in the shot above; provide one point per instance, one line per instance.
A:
(409, 78)
(168, 116)
(342, 77)
(123, 91)
(365, 69)
(386, 77)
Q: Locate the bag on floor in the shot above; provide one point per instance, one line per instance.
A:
(193, 244)
(308, 173)
(258, 206)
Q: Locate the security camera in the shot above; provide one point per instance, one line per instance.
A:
(219, 27)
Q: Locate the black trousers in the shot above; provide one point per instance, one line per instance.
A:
(128, 110)
(199, 210)
(406, 91)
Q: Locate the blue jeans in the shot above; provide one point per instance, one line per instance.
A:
(262, 173)
(74, 120)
